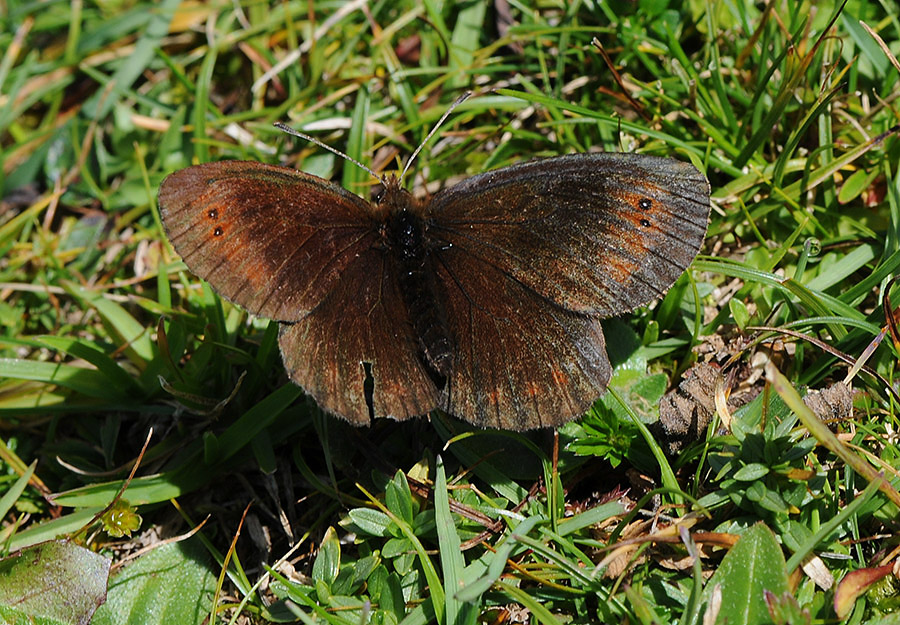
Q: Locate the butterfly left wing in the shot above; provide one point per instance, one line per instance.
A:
(301, 250)
(271, 239)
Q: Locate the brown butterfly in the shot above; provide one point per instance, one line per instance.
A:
(484, 301)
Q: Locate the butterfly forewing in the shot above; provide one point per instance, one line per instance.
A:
(594, 233)
(274, 240)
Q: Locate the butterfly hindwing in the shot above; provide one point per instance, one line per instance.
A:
(520, 361)
(355, 353)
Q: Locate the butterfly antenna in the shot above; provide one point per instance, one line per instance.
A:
(303, 135)
(446, 114)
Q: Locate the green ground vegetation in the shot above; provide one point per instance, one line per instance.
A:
(782, 511)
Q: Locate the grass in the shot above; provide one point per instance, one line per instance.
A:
(105, 335)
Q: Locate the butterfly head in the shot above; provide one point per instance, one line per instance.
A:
(394, 200)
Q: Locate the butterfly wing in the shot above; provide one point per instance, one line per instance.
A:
(298, 249)
(520, 361)
(355, 353)
(594, 233)
(530, 257)
(271, 239)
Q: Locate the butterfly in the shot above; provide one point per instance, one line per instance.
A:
(484, 301)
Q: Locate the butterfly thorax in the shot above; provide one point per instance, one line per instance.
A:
(405, 236)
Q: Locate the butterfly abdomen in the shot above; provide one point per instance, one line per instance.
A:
(406, 232)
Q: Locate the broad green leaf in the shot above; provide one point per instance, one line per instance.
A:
(170, 585)
(398, 498)
(854, 185)
(374, 522)
(739, 312)
(56, 580)
(751, 472)
(755, 564)
(328, 560)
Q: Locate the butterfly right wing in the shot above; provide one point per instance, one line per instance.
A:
(530, 257)
(271, 239)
